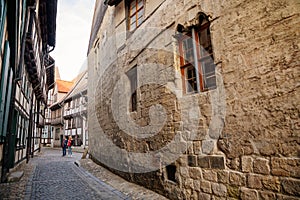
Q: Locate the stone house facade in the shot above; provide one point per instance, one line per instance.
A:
(197, 100)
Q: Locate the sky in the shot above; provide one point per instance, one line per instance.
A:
(73, 26)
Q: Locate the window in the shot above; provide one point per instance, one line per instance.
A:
(73, 123)
(79, 122)
(22, 126)
(132, 75)
(69, 123)
(196, 58)
(171, 171)
(135, 13)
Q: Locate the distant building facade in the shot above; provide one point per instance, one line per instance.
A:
(197, 99)
(47, 132)
(75, 112)
(61, 88)
(27, 36)
(69, 111)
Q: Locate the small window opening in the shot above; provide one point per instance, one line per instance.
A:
(132, 75)
(171, 171)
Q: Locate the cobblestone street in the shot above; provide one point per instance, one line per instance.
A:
(51, 176)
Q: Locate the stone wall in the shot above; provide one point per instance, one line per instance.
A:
(239, 141)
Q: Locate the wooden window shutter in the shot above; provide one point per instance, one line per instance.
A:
(2, 20)
(4, 82)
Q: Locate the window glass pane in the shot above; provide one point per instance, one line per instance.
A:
(191, 81)
(208, 65)
(140, 20)
(188, 50)
(209, 76)
(205, 42)
(133, 19)
(140, 3)
(210, 82)
(19, 127)
(132, 7)
(140, 13)
(132, 26)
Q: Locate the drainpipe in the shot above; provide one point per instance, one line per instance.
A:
(28, 150)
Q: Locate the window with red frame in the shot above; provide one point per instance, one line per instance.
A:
(196, 58)
(136, 14)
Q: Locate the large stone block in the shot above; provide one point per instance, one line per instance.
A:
(204, 196)
(248, 194)
(223, 176)
(192, 160)
(285, 167)
(233, 191)
(195, 173)
(271, 183)
(213, 162)
(188, 184)
(210, 175)
(219, 189)
(203, 162)
(254, 181)
(247, 164)
(267, 195)
(261, 166)
(197, 185)
(237, 178)
(291, 186)
(205, 186)
(217, 162)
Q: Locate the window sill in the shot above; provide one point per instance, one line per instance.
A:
(170, 182)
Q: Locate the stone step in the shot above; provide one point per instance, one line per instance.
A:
(15, 176)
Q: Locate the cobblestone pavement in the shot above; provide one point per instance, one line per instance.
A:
(132, 190)
(16, 190)
(50, 176)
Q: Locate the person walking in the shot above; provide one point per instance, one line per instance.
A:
(69, 144)
(64, 146)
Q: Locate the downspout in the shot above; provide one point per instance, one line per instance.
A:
(28, 151)
(32, 127)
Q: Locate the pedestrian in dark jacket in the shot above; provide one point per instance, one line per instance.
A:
(64, 146)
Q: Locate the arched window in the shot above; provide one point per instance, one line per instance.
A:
(196, 57)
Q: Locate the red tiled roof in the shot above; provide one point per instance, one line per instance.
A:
(64, 86)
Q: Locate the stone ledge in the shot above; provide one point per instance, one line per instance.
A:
(15, 176)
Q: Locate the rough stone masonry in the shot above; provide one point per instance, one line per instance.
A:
(238, 141)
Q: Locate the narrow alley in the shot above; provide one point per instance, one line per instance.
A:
(158, 99)
(51, 176)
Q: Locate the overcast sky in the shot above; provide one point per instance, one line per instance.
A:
(73, 26)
